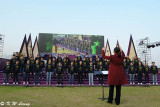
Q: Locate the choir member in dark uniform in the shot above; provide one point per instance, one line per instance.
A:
(32, 62)
(49, 58)
(128, 61)
(140, 71)
(42, 66)
(12, 63)
(27, 70)
(68, 60)
(22, 64)
(90, 71)
(71, 72)
(65, 68)
(54, 66)
(105, 64)
(37, 72)
(125, 66)
(7, 70)
(16, 70)
(131, 72)
(59, 59)
(100, 68)
(17, 56)
(38, 58)
(154, 71)
(59, 71)
(79, 58)
(80, 73)
(49, 72)
(147, 73)
(87, 59)
(76, 68)
(85, 68)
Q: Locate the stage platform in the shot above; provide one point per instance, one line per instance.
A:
(66, 82)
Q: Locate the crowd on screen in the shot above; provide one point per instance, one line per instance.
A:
(77, 69)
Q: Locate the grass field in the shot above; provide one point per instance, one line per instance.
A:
(79, 96)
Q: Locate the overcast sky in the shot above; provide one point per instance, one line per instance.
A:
(115, 19)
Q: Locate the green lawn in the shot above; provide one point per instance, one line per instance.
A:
(79, 96)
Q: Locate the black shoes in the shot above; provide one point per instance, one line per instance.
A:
(117, 102)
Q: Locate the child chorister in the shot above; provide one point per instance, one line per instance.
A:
(12, 63)
(16, 70)
(49, 72)
(125, 66)
(71, 72)
(140, 71)
(154, 72)
(79, 58)
(90, 71)
(100, 68)
(147, 73)
(32, 62)
(87, 59)
(22, 64)
(105, 64)
(27, 70)
(65, 68)
(80, 73)
(59, 59)
(7, 70)
(59, 72)
(131, 71)
(54, 66)
(41, 67)
(85, 68)
(37, 72)
(76, 68)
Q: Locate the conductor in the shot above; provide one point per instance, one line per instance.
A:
(116, 74)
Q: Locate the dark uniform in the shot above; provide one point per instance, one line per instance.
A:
(80, 74)
(146, 72)
(16, 70)
(37, 73)
(59, 72)
(27, 70)
(140, 71)
(7, 70)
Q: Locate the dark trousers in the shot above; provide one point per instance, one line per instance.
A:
(27, 77)
(36, 77)
(41, 72)
(6, 77)
(147, 78)
(139, 78)
(85, 74)
(80, 78)
(118, 93)
(59, 78)
(15, 77)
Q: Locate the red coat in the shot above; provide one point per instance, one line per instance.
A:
(116, 74)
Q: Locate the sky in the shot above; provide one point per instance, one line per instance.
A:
(115, 19)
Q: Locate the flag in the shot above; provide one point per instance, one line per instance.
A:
(24, 49)
(35, 48)
(131, 49)
(107, 50)
(29, 46)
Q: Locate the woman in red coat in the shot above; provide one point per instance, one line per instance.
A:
(116, 74)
